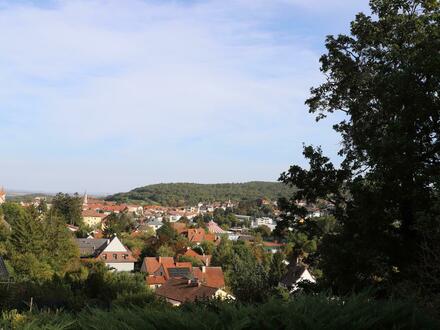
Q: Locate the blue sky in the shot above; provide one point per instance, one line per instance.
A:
(109, 95)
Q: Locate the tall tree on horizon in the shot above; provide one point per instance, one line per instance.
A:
(385, 79)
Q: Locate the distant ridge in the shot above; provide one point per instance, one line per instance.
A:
(177, 194)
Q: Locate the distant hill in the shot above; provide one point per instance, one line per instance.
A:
(176, 194)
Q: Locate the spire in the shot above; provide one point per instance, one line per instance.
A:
(85, 200)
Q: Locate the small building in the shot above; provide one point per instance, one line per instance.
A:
(161, 269)
(177, 291)
(214, 228)
(2, 196)
(92, 218)
(296, 273)
(154, 224)
(198, 235)
(205, 259)
(111, 251)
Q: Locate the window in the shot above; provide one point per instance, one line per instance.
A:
(115, 256)
(104, 256)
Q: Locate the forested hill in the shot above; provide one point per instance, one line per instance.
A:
(175, 194)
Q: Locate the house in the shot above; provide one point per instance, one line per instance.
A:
(297, 272)
(154, 224)
(210, 276)
(264, 221)
(198, 235)
(179, 290)
(205, 259)
(214, 228)
(92, 218)
(111, 251)
(161, 269)
(136, 209)
(2, 196)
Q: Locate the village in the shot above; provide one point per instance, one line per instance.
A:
(182, 271)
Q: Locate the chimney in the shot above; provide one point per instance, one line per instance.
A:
(203, 269)
(160, 260)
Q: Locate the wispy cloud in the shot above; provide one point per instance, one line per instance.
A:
(106, 95)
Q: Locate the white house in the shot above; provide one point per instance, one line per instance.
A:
(2, 196)
(111, 251)
(264, 221)
(296, 273)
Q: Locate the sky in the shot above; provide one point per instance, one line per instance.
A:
(108, 95)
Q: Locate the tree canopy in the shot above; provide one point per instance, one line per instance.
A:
(385, 79)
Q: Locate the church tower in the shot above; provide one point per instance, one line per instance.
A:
(2, 195)
(85, 201)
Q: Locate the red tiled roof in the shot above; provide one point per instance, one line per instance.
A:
(180, 290)
(203, 258)
(152, 280)
(215, 228)
(210, 276)
(93, 213)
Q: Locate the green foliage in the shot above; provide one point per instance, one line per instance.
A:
(384, 78)
(68, 207)
(116, 224)
(194, 261)
(165, 251)
(179, 194)
(37, 246)
(304, 312)
(166, 233)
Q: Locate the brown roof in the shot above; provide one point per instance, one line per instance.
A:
(152, 264)
(180, 290)
(206, 259)
(210, 276)
(152, 280)
(198, 235)
(93, 213)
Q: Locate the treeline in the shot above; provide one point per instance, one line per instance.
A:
(179, 194)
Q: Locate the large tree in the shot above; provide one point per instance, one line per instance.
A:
(68, 207)
(385, 79)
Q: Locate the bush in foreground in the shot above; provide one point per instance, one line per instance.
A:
(304, 312)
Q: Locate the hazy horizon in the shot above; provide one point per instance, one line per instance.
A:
(109, 96)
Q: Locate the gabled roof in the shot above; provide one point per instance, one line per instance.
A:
(152, 264)
(294, 273)
(214, 228)
(206, 259)
(153, 280)
(91, 247)
(198, 235)
(210, 276)
(180, 290)
(92, 213)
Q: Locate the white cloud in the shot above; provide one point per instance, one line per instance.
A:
(82, 72)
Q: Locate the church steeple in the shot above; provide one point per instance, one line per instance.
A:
(2, 195)
(85, 199)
